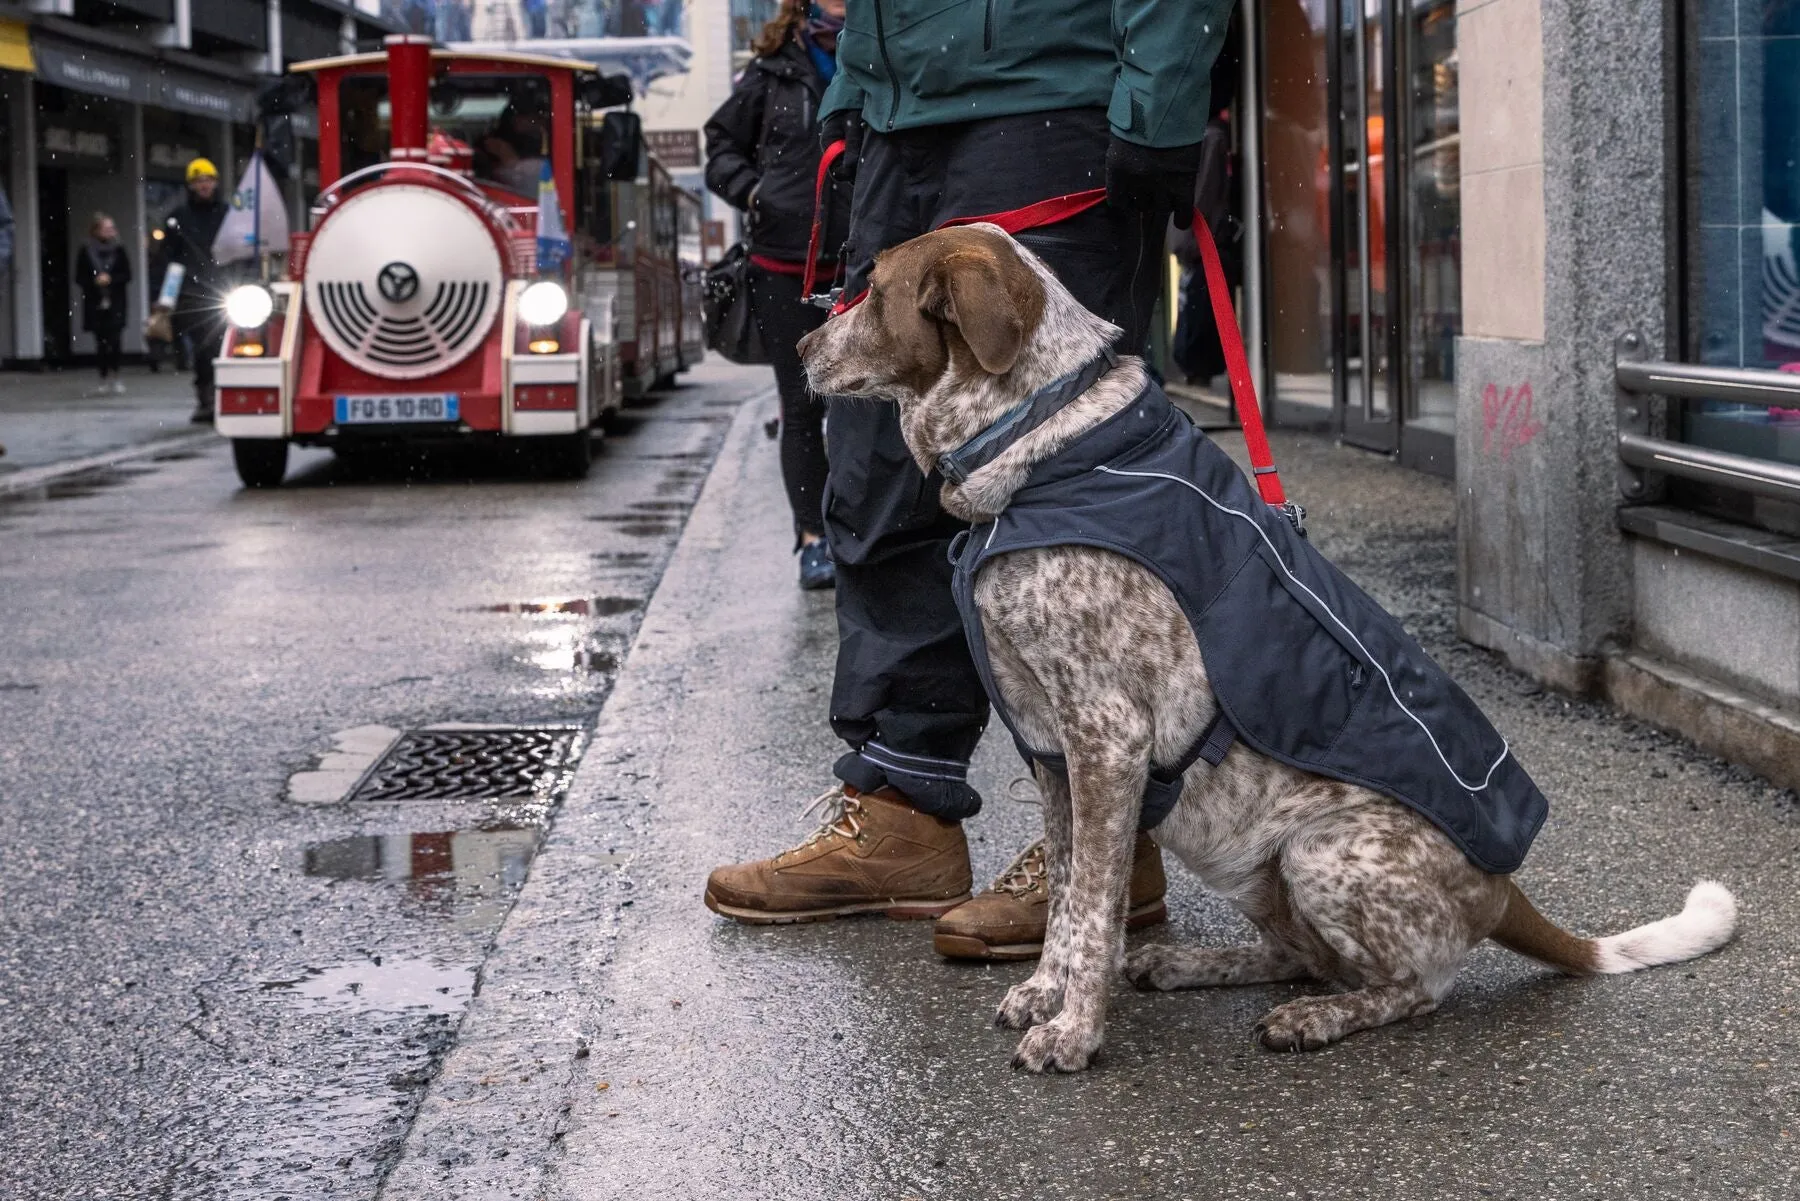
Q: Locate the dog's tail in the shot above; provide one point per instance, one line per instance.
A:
(1704, 924)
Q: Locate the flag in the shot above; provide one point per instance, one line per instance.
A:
(553, 245)
(257, 222)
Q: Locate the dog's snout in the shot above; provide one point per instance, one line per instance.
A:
(804, 343)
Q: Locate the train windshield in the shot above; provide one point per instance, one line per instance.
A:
(502, 121)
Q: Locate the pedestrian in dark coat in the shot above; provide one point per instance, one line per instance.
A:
(198, 318)
(762, 157)
(970, 108)
(102, 272)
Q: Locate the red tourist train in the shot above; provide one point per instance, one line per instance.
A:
(493, 254)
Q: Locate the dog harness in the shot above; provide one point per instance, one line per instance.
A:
(1306, 667)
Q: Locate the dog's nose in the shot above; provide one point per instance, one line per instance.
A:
(803, 343)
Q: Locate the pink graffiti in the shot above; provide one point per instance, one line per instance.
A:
(1506, 419)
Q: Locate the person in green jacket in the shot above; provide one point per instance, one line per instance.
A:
(961, 110)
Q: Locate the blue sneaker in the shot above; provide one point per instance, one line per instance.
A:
(817, 570)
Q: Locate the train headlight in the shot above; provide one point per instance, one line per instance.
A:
(543, 303)
(249, 307)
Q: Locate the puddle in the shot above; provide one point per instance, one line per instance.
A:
(468, 876)
(9, 686)
(586, 606)
(637, 525)
(596, 660)
(624, 558)
(75, 487)
(384, 985)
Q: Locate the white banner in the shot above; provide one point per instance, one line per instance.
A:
(257, 222)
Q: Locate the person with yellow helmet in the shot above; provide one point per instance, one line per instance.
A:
(198, 315)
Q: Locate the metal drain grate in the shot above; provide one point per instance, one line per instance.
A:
(519, 763)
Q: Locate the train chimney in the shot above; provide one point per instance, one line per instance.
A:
(409, 87)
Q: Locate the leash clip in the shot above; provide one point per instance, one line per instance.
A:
(1295, 513)
(826, 300)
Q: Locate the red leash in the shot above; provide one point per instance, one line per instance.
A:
(1231, 338)
(831, 155)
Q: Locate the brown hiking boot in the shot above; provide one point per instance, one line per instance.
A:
(874, 854)
(1007, 921)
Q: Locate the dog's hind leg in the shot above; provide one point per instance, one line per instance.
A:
(1381, 902)
(1039, 998)
(1107, 770)
(1308, 1023)
(1160, 968)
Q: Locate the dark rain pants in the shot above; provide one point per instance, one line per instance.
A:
(783, 320)
(907, 697)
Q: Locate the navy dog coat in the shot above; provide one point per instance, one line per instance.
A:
(1307, 668)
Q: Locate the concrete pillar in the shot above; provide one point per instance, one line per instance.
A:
(1565, 238)
(179, 33)
(134, 228)
(28, 256)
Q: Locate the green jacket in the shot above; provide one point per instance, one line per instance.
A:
(912, 63)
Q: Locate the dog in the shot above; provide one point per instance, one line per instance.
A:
(1089, 652)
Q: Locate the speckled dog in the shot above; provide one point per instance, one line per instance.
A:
(1091, 654)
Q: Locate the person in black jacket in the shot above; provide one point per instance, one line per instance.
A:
(762, 157)
(102, 271)
(199, 315)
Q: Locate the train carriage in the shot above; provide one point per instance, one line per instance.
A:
(492, 256)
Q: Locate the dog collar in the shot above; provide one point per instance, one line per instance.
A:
(1022, 418)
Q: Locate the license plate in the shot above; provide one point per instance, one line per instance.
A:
(383, 410)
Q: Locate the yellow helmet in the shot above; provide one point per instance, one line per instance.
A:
(201, 168)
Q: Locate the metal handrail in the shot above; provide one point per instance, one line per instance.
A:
(1640, 452)
(1730, 384)
(1760, 476)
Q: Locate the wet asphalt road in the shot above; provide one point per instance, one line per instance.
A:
(185, 1012)
(208, 990)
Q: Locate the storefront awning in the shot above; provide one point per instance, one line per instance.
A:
(70, 64)
(15, 46)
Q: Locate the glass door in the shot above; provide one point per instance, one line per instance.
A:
(1366, 331)
(1432, 288)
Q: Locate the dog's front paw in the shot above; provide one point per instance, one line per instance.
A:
(1057, 1046)
(1297, 1026)
(1156, 968)
(1028, 1004)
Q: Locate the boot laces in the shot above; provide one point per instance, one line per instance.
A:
(1026, 872)
(840, 813)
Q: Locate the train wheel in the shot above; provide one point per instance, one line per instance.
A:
(569, 456)
(261, 462)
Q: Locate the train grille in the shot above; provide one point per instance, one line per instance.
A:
(442, 330)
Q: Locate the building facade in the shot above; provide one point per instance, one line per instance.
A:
(104, 103)
(1548, 247)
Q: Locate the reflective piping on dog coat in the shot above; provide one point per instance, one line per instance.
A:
(1307, 668)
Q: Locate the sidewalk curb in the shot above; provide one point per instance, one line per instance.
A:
(32, 478)
(492, 1120)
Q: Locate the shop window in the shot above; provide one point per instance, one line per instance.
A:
(1741, 176)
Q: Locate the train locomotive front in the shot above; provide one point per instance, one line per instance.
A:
(453, 286)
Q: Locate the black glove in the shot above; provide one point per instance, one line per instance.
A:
(845, 125)
(1153, 179)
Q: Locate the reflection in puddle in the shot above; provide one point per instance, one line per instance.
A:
(386, 985)
(586, 606)
(471, 876)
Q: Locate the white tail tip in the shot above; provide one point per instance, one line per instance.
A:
(1704, 924)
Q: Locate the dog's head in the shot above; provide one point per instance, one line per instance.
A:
(958, 327)
(957, 304)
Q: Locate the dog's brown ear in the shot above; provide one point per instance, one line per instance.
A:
(986, 300)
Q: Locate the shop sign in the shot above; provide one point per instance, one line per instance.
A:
(65, 147)
(70, 65)
(84, 71)
(674, 148)
(164, 158)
